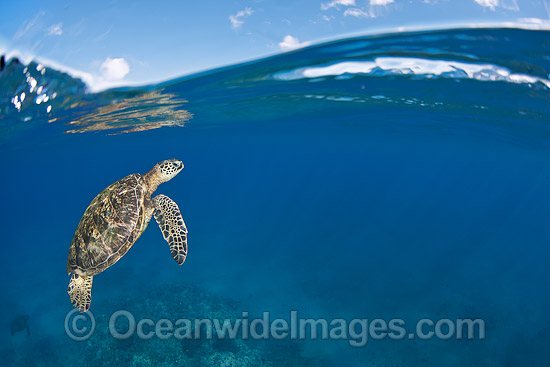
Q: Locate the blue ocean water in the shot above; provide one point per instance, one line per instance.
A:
(399, 176)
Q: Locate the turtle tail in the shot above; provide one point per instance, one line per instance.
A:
(80, 291)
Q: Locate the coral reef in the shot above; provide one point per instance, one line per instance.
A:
(170, 302)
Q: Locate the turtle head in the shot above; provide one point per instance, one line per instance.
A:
(162, 172)
(167, 170)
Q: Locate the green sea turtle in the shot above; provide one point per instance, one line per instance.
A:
(113, 222)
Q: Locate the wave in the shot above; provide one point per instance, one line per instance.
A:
(384, 66)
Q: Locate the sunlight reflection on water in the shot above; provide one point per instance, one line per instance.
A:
(148, 111)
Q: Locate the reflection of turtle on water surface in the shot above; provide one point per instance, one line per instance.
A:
(113, 222)
(20, 323)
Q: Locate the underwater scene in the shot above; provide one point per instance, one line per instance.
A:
(371, 201)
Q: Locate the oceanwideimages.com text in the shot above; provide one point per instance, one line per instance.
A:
(123, 325)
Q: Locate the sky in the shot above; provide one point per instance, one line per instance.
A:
(110, 43)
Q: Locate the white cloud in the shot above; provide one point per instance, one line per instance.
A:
(114, 69)
(537, 21)
(491, 4)
(238, 19)
(335, 3)
(56, 30)
(381, 2)
(291, 43)
(510, 5)
(355, 12)
(28, 26)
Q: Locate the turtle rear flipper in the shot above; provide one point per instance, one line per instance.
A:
(80, 291)
(168, 216)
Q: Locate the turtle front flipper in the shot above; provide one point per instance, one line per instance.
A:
(80, 291)
(172, 226)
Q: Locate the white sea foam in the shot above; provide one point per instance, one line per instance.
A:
(412, 66)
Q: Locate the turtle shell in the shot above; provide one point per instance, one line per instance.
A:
(109, 227)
